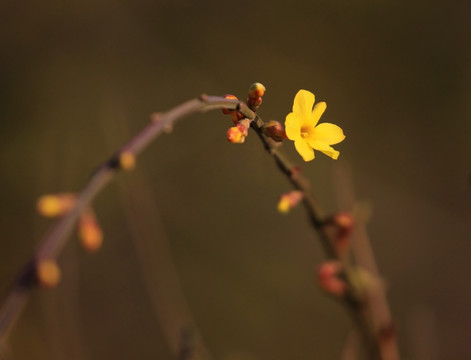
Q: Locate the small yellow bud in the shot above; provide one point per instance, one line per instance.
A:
(256, 90)
(56, 204)
(48, 273)
(284, 205)
(127, 160)
(289, 200)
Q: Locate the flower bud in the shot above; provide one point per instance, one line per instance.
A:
(235, 136)
(228, 96)
(127, 160)
(56, 204)
(274, 130)
(254, 99)
(90, 233)
(289, 200)
(48, 273)
(256, 90)
(329, 280)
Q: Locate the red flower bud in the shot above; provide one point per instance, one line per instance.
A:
(329, 280)
(274, 130)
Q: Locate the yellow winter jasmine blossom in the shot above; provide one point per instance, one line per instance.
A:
(301, 127)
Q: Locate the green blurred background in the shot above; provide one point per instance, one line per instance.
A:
(78, 78)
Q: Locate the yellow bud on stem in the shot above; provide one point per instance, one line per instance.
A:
(90, 233)
(48, 273)
(127, 160)
(56, 204)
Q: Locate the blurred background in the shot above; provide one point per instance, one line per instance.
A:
(193, 232)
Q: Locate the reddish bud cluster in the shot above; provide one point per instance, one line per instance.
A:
(329, 280)
(238, 133)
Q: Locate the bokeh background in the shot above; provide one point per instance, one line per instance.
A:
(197, 218)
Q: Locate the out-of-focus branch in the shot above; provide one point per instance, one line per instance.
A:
(377, 308)
(55, 240)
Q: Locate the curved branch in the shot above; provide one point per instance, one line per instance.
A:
(55, 240)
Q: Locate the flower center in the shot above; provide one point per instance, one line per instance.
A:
(304, 132)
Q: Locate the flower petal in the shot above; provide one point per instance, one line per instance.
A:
(302, 106)
(317, 112)
(293, 126)
(329, 133)
(304, 149)
(323, 147)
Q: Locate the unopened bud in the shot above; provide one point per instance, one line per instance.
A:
(232, 97)
(274, 130)
(254, 99)
(90, 233)
(48, 273)
(127, 160)
(56, 204)
(289, 200)
(235, 136)
(256, 90)
(329, 280)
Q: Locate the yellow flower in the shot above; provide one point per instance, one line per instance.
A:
(301, 127)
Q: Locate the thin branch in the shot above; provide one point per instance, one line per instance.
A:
(55, 240)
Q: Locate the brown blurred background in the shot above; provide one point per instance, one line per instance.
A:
(78, 78)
